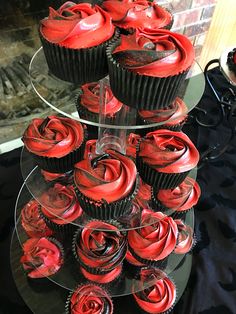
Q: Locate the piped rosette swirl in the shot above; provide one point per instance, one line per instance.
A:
(130, 15)
(42, 257)
(106, 185)
(89, 298)
(100, 248)
(180, 199)
(153, 60)
(77, 34)
(88, 102)
(32, 222)
(164, 158)
(56, 143)
(60, 208)
(186, 239)
(159, 295)
(155, 240)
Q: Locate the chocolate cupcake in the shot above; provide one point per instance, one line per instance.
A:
(43, 257)
(129, 15)
(106, 185)
(175, 115)
(88, 103)
(179, 199)
(147, 68)
(164, 158)
(155, 240)
(159, 296)
(74, 40)
(186, 239)
(60, 208)
(56, 143)
(231, 60)
(32, 222)
(91, 297)
(100, 249)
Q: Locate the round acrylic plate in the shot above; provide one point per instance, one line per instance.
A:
(48, 298)
(61, 95)
(37, 185)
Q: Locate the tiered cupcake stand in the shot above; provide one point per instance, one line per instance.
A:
(49, 295)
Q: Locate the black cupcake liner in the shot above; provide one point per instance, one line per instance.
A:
(96, 270)
(77, 66)
(159, 180)
(63, 164)
(140, 91)
(107, 211)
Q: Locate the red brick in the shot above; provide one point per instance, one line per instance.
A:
(187, 17)
(197, 29)
(202, 3)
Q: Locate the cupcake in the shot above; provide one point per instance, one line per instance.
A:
(175, 115)
(74, 40)
(157, 297)
(129, 15)
(132, 141)
(100, 249)
(89, 298)
(179, 199)
(31, 221)
(56, 143)
(231, 60)
(147, 68)
(88, 103)
(43, 257)
(154, 240)
(106, 185)
(186, 240)
(164, 158)
(60, 208)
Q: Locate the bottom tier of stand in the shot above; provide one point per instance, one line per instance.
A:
(45, 297)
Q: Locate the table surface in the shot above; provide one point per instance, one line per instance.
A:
(212, 285)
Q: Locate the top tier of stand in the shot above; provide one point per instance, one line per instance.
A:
(61, 95)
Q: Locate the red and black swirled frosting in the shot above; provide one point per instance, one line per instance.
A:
(109, 177)
(186, 239)
(132, 141)
(168, 151)
(158, 53)
(90, 99)
(156, 238)
(144, 194)
(160, 296)
(31, 221)
(133, 14)
(77, 25)
(60, 204)
(100, 246)
(176, 113)
(181, 198)
(90, 149)
(42, 257)
(53, 136)
(90, 299)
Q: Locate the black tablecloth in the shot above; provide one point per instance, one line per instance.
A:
(212, 285)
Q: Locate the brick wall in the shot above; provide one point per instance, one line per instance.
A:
(192, 18)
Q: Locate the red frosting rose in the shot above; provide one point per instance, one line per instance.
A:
(90, 99)
(159, 53)
(53, 136)
(77, 26)
(181, 198)
(158, 298)
(156, 238)
(131, 144)
(109, 177)
(100, 246)
(31, 221)
(90, 299)
(129, 257)
(144, 195)
(176, 113)
(168, 151)
(140, 13)
(42, 257)
(185, 240)
(60, 204)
